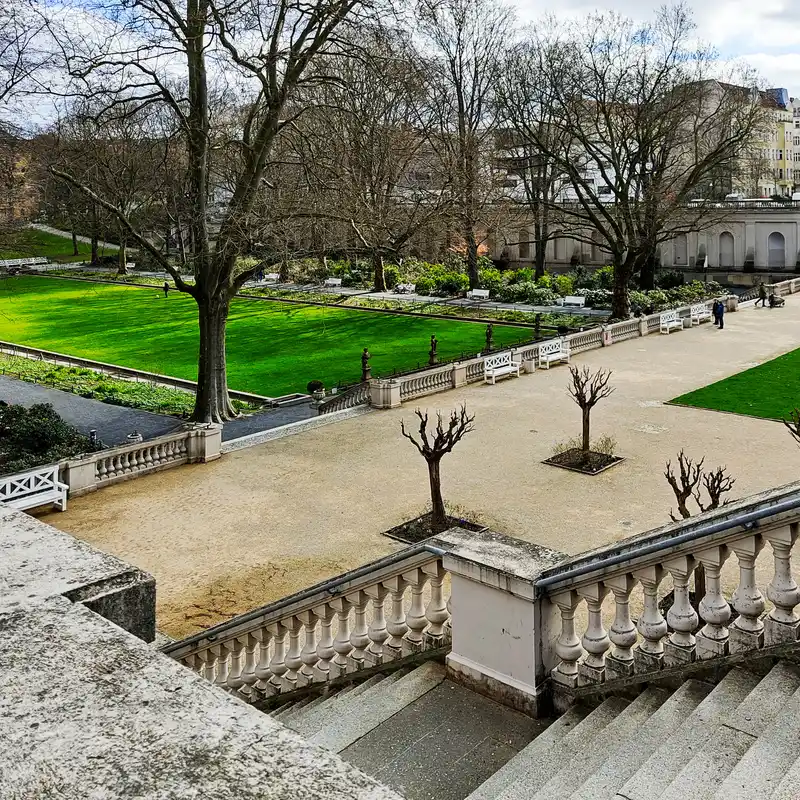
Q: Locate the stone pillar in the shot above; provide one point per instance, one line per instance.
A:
(732, 303)
(459, 375)
(503, 635)
(642, 326)
(204, 442)
(384, 393)
(79, 475)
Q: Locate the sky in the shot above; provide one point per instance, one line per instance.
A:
(766, 33)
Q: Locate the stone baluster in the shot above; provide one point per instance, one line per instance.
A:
(436, 611)
(341, 643)
(293, 661)
(377, 631)
(158, 455)
(208, 659)
(325, 652)
(148, 457)
(102, 469)
(308, 654)
(680, 647)
(712, 640)
(234, 657)
(568, 645)
(261, 671)
(416, 621)
(221, 676)
(648, 656)
(595, 639)
(619, 662)
(277, 664)
(448, 626)
(747, 630)
(359, 638)
(782, 622)
(396, 624)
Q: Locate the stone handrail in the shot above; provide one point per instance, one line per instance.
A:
(384, 611)
(350, 398)
(94, 470)
(604, 580)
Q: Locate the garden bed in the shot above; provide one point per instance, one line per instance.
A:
(418, 529)
(576, 460)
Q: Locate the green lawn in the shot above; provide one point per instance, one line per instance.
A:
(30, 242)
(769, 390)
(273, 348)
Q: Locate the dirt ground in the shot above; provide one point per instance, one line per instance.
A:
(226, 537)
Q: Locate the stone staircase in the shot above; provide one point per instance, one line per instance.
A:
(427, 737)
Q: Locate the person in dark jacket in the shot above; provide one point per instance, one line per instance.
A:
(166, 288)
(762, 294)
(715, 311)
(721, 314)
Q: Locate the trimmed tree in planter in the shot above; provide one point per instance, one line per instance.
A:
(433, 444)
(587, 390)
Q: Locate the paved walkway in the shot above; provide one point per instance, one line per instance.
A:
(225, 537)
(68, 235)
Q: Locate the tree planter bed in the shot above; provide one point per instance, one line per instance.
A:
(419, 529)
(577, 461)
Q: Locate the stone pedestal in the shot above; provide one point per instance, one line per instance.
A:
(676, 655)
(204, 443)
(459, 375)
(642, 326)
(780, 632)
(590, 676)
(711, 648)
(741, 641)
(618, 669)
(647, 662)
(529, 365)
(384, 394)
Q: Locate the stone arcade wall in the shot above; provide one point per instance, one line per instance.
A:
(90, 710)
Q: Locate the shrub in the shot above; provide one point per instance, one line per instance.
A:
(670, 279)
(527, 292)
(563, 285)
(491, 279)
(424, 285)
(598, 298)
(545, 281)
(524, 275)
(604, 277)
(314, 386)
(391, 274)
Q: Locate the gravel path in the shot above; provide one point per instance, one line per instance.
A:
(225, 537)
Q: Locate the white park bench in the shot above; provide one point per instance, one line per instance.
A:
(405, 288)
(24, 262)
(36, 487)
(498, 366)
(576, 301)
(272, 277)
(670, 321)
(332, 282)
(552, 352)
(699, 312)
(478, 294)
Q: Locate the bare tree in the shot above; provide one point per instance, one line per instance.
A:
(793, 424)
(466, 39)
(587, 390)
(225, 75)
(633, 118)
(433, 445)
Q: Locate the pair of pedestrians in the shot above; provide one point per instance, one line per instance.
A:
(718, 312)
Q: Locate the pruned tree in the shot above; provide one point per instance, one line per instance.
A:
(464, 41)
(587, 390)
(793, 424)
(228, 78)
(433, 444)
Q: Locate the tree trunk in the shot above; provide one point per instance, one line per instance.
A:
(647, 271)
(212, 402)
(585, 441)
(95, 238)
(620, 301)
(75, 250)
(472, 256)
(123, 258)
(438, 514)
(541, 258)
(377, 268)
(283, 271)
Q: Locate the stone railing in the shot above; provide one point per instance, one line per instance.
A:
(721, 624)
(627, 329)
(357, 395)
(428, 382)
(784, 287)
(93, 471)
(382, 612)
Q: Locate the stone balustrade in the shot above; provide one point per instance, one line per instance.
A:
(610, 644)
(385, 611)
(354, 396)
(193, 444)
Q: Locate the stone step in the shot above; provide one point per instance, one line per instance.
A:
(374, 707)
(316, 719)
(577, 740)
(663, 766)
(291, 710)
(633, 752)
(764, 766)
(586, 761)
(540, 754)
(789, 787)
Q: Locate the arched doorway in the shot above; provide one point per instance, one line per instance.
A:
(776, 246)
(681, 250)
(726, 256)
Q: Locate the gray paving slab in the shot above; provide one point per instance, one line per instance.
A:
(789, 787)
(587, 760)
(633, 752)
(468, 737)
(537, 756)
(656, 774)
(763, 767)
(375, 707)
(577, 741)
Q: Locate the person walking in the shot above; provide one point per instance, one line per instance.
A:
(721, 314)
(166, 288)
(715, 311)
(762, 295)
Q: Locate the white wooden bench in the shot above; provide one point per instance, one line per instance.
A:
(670, 321)
(554, 351)
(699, 312)
(332, 282)
(23, 262)
(478, 294)
(272, 277)
(36, 487)
(498, 366)
(576, 301)
(405, 288)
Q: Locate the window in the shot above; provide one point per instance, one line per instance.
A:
(780, 155)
